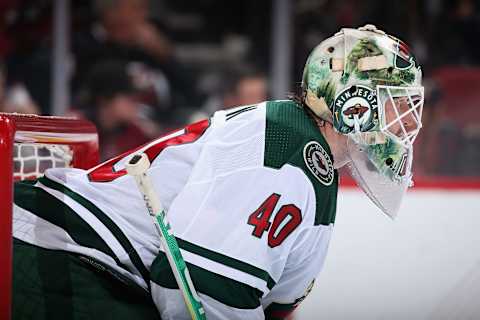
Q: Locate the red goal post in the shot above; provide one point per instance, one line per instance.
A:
(30, 144)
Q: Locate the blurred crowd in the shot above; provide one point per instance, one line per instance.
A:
(140, 68)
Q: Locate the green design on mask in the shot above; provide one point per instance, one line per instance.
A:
(317, 77)
(388, 76)
(364, 48)
(387, 158)
(316, 71)
(327, 90)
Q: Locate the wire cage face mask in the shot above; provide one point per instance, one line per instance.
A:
(381, 157)
(400, 112)
(380, 139)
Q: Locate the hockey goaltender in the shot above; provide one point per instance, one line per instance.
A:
(250, 195)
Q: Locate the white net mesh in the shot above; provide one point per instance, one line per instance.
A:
(30, 160)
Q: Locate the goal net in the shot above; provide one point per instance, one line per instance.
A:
(30, 160)
(28, 146)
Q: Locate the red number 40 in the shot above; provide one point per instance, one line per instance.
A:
(278, 230)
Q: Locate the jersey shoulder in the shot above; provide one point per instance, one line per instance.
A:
(292, 137)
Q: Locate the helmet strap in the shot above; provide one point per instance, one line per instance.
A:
(372, 63)
(336, 64)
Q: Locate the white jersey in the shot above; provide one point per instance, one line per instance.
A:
(250, 195)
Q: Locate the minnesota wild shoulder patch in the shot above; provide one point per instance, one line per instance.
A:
(318, 162)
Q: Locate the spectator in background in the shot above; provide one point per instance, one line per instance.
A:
(108, 98)
(126, 22)
(15, 98)
(25, 46)
(456, 33)
(248, 88)
(237, 88)
(19, 100)
(124, 32)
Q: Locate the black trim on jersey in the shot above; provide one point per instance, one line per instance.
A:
(109, 224)
(235, 113)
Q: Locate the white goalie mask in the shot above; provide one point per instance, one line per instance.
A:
(368, 85)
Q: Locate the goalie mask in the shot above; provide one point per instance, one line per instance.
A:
(369, 86)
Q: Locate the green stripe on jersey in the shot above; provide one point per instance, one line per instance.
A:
(225, 290)
(288, 129)
(228, 261)
(114, 229)
(55, 284)
(49, 208)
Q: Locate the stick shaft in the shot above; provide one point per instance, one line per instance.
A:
(167, 239)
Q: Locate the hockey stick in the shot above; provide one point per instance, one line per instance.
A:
(137, 167)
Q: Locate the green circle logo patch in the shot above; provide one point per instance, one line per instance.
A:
(318, 162)
(355, 106)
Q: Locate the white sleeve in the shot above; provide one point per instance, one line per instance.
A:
(304, 263)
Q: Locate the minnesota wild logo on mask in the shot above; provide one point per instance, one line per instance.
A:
(355, 109)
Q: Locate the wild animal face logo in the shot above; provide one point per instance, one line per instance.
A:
(319, 162)
(355, 107)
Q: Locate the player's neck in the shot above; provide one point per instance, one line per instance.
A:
(337, 143)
